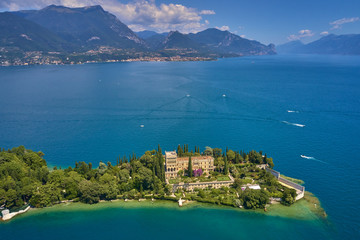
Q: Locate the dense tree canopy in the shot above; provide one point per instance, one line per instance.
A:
(26, 179)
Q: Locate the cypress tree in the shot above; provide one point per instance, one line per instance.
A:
(190, 172)
(162, 167)
(265, 159)
(153, 178)
(157, 168)
(237, 157)
(179, 151)
(226, 167)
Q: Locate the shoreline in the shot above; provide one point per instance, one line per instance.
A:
(161, 59)
(301, 210)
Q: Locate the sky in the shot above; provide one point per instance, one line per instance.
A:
(275, 21)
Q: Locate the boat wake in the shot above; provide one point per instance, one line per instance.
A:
(312, 158)
(292, 111)
(294, 124)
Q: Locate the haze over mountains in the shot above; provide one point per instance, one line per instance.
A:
(348, 44)
(92, 34)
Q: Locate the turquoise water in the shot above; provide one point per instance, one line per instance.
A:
(93, 112)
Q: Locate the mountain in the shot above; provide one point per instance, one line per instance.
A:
(348, 44)
(87, 27)
(147, 34)
(177, 40)
(152, 39)
(290, 47)
(20, 34)
(226, 42)
(61, 35)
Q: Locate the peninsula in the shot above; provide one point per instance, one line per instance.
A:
(231, 178)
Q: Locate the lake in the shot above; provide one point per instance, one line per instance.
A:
(286, 106)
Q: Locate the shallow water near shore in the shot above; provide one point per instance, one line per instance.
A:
(139, 220)
(286, 106)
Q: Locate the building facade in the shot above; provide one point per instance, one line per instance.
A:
(173, 164)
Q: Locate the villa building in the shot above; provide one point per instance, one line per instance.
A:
(173, 164)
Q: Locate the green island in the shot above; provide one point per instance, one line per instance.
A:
(214, 177)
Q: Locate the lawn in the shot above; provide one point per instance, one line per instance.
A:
(223, 178)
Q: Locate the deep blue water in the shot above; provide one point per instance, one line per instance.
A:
(93, 112)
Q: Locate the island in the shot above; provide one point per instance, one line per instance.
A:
(231, 178)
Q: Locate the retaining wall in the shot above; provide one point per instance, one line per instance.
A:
(201, 185)
(300, 190)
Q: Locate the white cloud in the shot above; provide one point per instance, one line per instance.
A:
(223, 28)
(138, 14)
(243, 36)
(207, 12)
(337, 24)
(301, 34)
(324, 33)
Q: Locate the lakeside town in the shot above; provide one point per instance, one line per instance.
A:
(102, 54)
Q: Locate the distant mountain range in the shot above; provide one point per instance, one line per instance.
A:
(58, 34)
(84, 27)
(331, 44)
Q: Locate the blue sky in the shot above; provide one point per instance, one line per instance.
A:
(276, 21)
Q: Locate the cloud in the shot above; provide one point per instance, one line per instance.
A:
(207, 12)
(337, 24)
(324, 33)
(243, 36)
(138, 14)
(301, 34)
(223, 28)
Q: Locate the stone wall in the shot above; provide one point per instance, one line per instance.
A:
(300, 190)
(201, 185)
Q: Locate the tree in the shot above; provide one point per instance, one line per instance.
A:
(254, 199)
(226, 166)
(190, 172)
(208, 151)
(102, 167)
(237, 183)
(230, 155)
(217, 152)
(289, 196)
(89, 192)
(179, 151)
(270, 162)
(45, 195)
